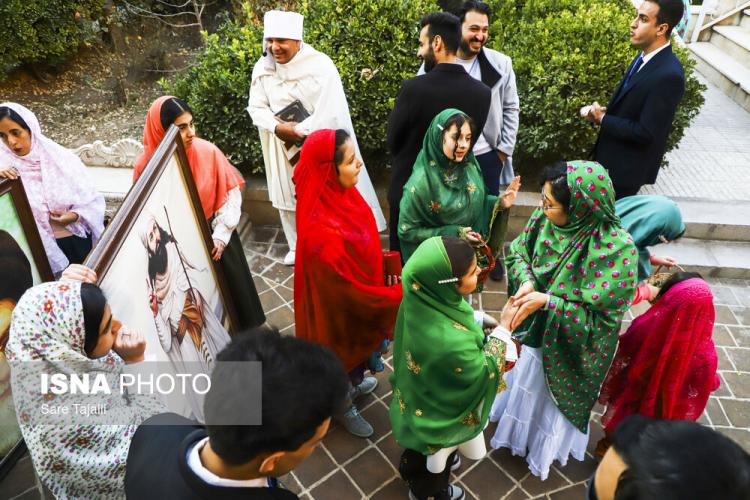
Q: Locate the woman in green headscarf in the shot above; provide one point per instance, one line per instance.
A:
(446, 194)
(573, 273)
(445, 376)
(650, 220)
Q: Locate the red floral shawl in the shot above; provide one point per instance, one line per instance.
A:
(665, 366)
(214, 176)
(339, 296)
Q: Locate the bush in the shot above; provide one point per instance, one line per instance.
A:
(567, 54)
(45, 31)
(373, 45)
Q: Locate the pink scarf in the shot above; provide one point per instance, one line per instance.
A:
(55, 180)
(665, 366)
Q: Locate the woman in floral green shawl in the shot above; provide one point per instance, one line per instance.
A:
(445, 377)
(446, 193)
(573, 273)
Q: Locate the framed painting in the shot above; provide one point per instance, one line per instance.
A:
(23, 264)
(154, 264)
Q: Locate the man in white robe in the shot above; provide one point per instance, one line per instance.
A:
(188, 330)
(290, 71)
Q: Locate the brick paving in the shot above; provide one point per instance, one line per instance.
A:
(345, 467)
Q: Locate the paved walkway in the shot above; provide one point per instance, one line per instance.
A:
(713, 159)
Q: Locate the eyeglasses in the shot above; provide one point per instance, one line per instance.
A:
(546, 206)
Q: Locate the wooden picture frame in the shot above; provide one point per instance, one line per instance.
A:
(103, 254)
(154, 264)
(17, 222)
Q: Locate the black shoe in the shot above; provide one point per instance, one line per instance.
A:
(498, 273)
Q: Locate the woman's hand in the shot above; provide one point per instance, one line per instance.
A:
(129, 345)
(488, 322)
(528, 305)
(526, 288)
(470, 235)
(506, 316)
(218, 250)
(663, 261)
(78, 272)
(392, 279)
(63, 218)
(9, 173)
(508, 198)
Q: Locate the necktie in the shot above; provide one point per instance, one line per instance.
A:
(633, 70)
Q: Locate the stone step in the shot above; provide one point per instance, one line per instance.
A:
(745, 19)
(722, 70)
(713, 259)
(734, 41)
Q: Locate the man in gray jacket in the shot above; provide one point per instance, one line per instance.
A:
(494, 148)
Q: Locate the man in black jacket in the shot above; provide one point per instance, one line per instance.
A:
(445, 85)
(303, 384)
(637, 121)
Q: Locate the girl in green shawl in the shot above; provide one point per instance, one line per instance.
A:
(446, 194)
(445, 376)
(650, 220)
(573, 273)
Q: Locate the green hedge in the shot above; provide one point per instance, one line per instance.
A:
(373, 45)
(566, 54)
(36, 31)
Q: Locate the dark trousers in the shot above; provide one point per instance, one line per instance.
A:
(624, 192)
(491, 167)
(422, 482)
(241, 285)
(75, 248)
(395, 245)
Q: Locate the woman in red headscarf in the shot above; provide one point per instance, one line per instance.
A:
(219, 188)
(340, 298)
(665, 366)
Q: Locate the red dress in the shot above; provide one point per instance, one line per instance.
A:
(665, 366)
(340, 299)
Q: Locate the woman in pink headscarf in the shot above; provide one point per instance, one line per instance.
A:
(665, 366)
(68, 210)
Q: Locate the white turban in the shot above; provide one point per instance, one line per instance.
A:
(281, 24)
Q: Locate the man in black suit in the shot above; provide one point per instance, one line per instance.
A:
(637, 121)
(445, 85)
(303, 385)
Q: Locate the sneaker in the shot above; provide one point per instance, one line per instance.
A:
(456, 463)
(453, 493)
(365, 387)
(355, 423)
(498, 272)
(289, 258)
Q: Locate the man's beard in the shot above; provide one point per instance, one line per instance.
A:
(466, 48)
(158, 260)
(429, 61)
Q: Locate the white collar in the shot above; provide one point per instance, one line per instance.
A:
(650, 55)
(195, 464)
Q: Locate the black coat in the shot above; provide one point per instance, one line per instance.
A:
(421, 98)
(157, 467)
(634, 131)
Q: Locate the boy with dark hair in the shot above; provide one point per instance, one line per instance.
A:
(670, 460)
(303, 385)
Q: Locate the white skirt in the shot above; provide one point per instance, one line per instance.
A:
(530, 420)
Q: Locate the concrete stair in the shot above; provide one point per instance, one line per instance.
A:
(723, 56)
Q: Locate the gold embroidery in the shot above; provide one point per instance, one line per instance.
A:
(401, 404)
(471, 187)
(433, 449)
(501, 385)
(418, 412)
(459, 326)
(415, 286)
(458, 370)
(413, 190)
(471, 420)
(411, 365)
(432, 163)
(492, 375)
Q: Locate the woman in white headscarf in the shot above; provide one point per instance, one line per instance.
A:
(67, 327)
(68, 210)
